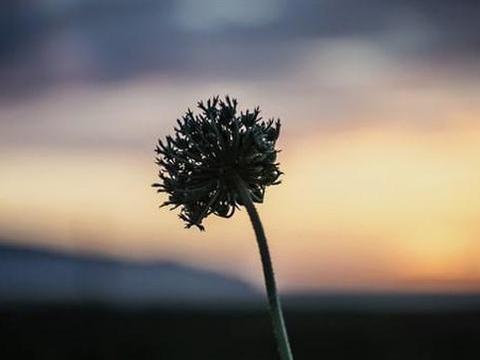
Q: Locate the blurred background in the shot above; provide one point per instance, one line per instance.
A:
(374, 230)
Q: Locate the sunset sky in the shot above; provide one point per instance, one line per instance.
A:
(380, 143)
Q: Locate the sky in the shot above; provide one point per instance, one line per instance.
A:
(380, 142)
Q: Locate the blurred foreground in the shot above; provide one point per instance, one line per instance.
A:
(96, 332)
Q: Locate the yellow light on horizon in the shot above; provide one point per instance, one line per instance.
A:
(373, 208)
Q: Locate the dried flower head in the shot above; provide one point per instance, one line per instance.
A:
(198, 164)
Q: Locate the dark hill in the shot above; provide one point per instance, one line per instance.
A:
(38, 275)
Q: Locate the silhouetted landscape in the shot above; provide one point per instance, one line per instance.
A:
(195, 315)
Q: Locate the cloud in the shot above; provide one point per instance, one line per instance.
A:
(103, 41)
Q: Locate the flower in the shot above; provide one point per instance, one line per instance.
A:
(198, 164)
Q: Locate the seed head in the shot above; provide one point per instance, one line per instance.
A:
(198, 163)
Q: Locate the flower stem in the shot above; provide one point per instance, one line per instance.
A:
(279, 328)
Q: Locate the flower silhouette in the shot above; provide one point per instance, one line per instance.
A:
(208, 150)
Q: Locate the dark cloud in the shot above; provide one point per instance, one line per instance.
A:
(107, 40)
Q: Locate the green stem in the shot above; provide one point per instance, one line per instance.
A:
(279, 328)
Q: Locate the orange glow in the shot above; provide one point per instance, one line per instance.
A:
(371, 208)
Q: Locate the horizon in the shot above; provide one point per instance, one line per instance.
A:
(84, 265)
